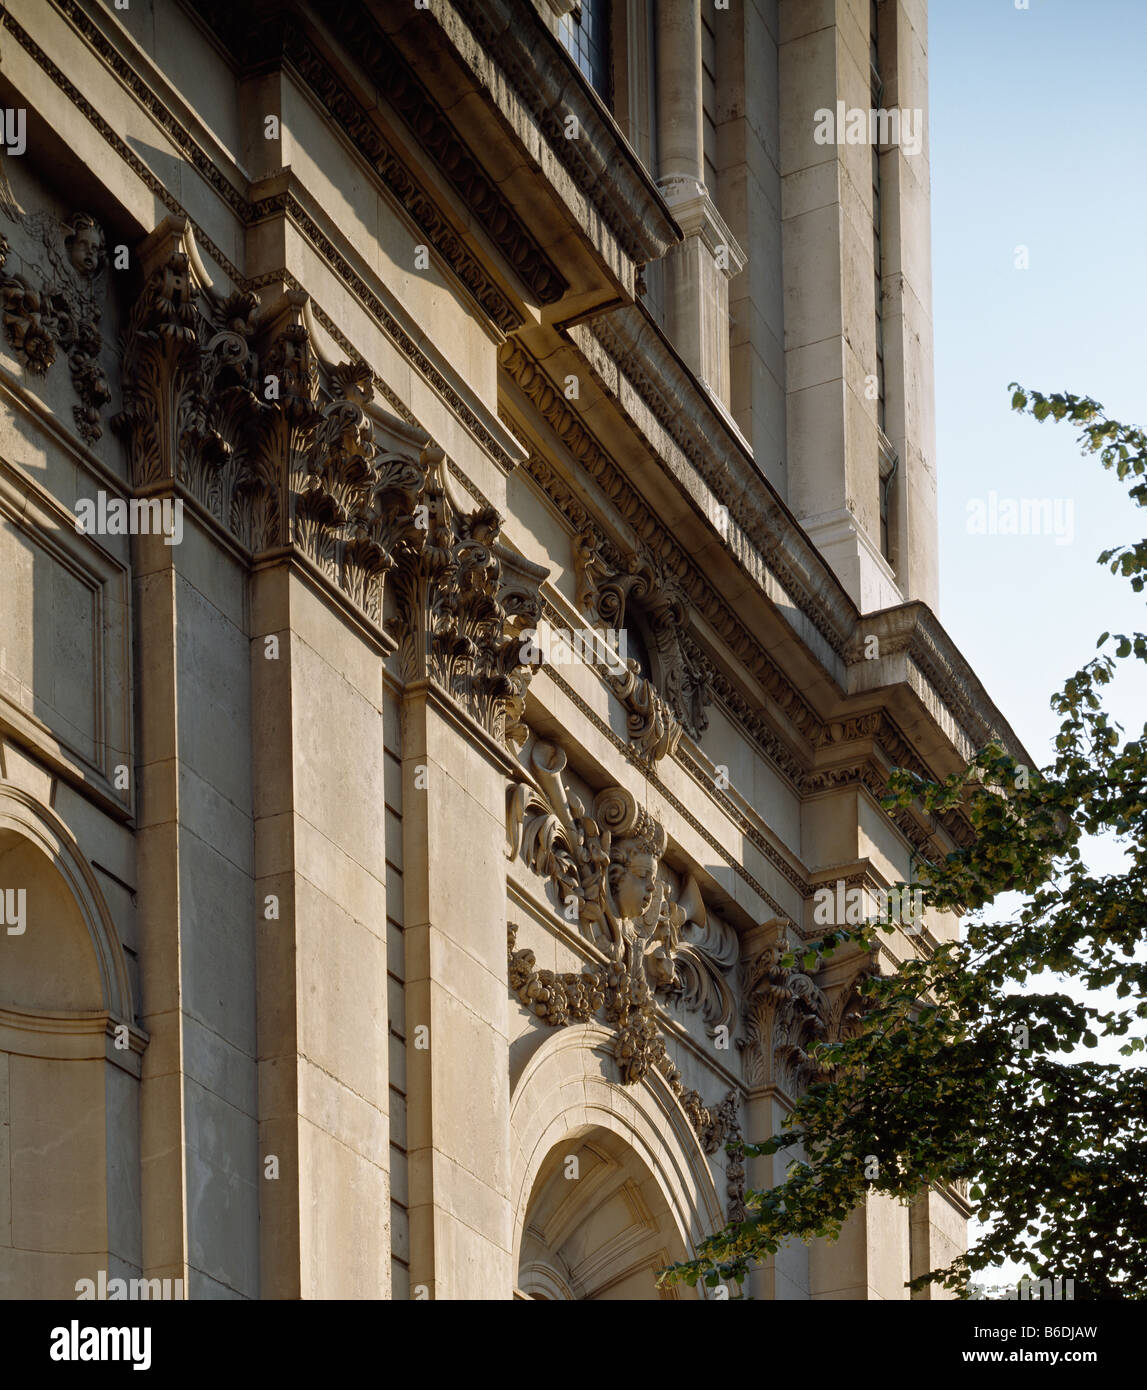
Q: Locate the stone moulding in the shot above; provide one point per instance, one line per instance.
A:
(284, 203)
(649, 770)
(460, 167)
(431, 221)
(537, 387)
(929, 649)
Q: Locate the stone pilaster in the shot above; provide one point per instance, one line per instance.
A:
(697, 272)
(458, 1102)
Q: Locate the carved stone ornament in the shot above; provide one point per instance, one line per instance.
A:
(635, 594)
(785, 1014)
(604, 864)
(620, 997)
(649, 721)
(53, 287)
(231, 399)
(464, 602)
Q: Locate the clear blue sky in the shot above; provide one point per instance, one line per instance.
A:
(1037, 140)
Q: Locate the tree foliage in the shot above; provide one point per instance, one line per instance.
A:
(961, 1069)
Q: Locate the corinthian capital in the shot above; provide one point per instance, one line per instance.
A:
(785, 1012)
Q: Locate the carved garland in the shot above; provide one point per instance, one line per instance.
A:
(52, 286)
(559, 999)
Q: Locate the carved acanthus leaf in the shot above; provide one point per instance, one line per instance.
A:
(463, 602)
(232, 401)
(708, 951)
(649, 721)
(785, 1014)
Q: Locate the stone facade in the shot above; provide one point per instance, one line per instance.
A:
(365, 936)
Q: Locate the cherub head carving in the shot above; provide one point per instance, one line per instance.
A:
(633, 877)
(84, 244)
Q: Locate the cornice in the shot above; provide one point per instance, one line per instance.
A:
(953, 679)
(674, 398)
(683, 410)
(802, 775)
(910, 628)
(753, 720)
(432, 222)
(513, 39)
(531, 379)
(913, 631)
(769, 536)
(437, 137)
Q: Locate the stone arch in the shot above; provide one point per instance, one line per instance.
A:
(24, 825)
(70, 1063)
(569, 1099)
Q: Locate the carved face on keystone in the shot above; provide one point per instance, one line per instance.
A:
(633, 881)
(85, 246)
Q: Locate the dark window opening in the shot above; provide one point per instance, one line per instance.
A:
(585, 35)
